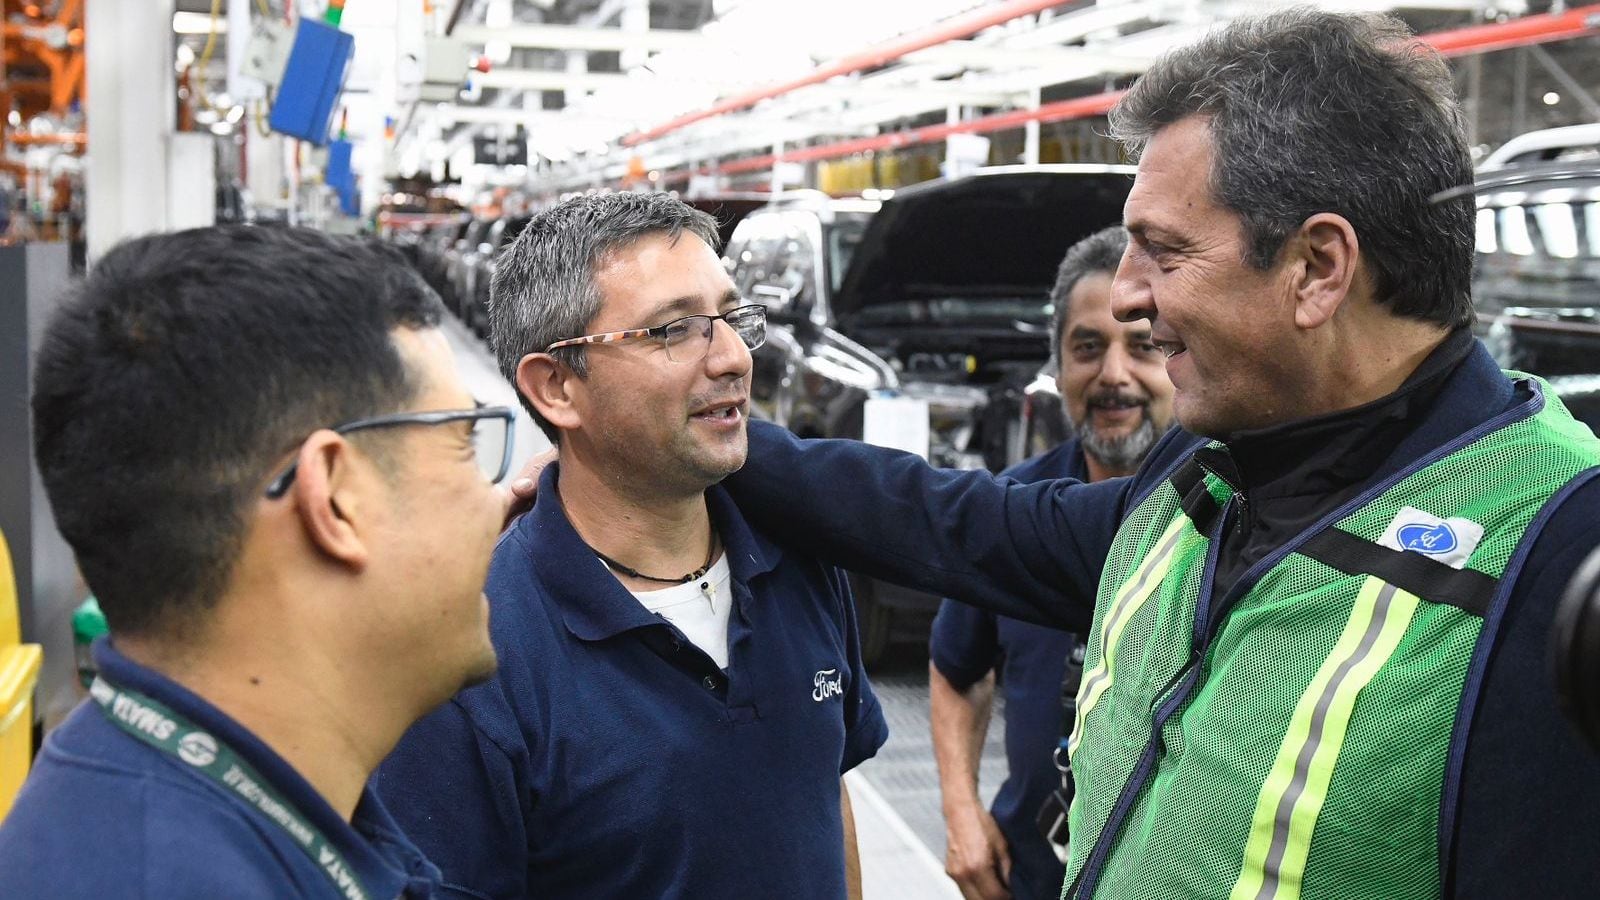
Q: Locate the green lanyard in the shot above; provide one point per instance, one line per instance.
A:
(171, 733)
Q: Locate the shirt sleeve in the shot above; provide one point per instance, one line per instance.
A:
(1032, 552)
(964, 643)
(865, 728)
(457, 796)
(1525, 824)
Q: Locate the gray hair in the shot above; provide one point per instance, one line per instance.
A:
(544, 289)
(1099, 252)
(1312, 112)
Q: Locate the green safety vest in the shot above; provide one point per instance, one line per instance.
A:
(1300, 750)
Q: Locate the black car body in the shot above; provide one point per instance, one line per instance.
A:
(939, 295)
(1536, 282)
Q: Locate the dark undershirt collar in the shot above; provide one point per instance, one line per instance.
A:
(1322, 454)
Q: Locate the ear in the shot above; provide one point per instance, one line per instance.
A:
(329, 500)
(549, 386)
(1329, 254)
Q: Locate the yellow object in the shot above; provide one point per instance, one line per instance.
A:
(19, 673)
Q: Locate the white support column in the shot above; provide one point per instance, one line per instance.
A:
(129, 117)
(952, 115)
(577, 65)
(1030, 131)
(635, 19)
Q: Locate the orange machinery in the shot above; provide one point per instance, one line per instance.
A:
(43, 74)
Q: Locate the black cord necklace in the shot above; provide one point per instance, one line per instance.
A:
(711, 554)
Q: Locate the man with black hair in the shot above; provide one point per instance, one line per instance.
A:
(1318, 618)
(258, 447)
(1115, 392)
(678, 697)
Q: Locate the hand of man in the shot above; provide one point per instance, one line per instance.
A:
(526, 484)
(976, 855)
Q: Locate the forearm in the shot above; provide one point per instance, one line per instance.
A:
(959, 721)
(852, 851)
(1032, 552)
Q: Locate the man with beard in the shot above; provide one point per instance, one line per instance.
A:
(1113, 384)
(256, 442)
(1318, 619)
(678, 697)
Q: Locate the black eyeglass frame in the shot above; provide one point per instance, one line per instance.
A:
(280, 485)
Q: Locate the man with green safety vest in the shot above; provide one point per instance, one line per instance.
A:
(1317, 616)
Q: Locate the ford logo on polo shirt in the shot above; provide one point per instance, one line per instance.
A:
(1422, 537)
(827, 683)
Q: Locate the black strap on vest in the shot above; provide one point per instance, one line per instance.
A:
(1428, 579)
(1190, 482)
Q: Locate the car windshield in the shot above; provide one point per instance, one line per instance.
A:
(1536, 282)
(843, 237)
(1538, 254)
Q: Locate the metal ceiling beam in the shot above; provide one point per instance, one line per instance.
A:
(939, 93)
(456, 114)
(1075, 108)
(1018, 85)
(549, 80)
(1073, 26)
(971, 55)
(1481, 38)
(957, 27)
(573, 37)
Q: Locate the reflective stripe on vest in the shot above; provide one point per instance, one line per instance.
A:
(1132, 596)
(1292, 796)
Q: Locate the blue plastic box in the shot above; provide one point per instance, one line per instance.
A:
(339, 173)
(342, 178)
(312, 81)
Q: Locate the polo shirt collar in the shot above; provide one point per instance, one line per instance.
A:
(594, 604)
(384, 872)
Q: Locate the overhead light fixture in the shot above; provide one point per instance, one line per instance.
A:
(1551, 98)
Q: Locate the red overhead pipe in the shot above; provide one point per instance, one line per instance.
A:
(1540, 29)
(1075, 108)
(1522, 32)
(958, 27)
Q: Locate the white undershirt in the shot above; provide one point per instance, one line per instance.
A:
(699, 609)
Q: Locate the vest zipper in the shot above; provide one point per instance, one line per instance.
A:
(1186, 678)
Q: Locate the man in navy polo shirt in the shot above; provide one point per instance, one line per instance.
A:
(1114, 387)
(677, 695)
(255, 441)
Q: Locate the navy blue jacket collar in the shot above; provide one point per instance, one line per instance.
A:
(378, 874)
(594, 605)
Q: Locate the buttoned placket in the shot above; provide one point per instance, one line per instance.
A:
(675, 648)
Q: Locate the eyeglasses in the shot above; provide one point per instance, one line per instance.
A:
(491, 438)
(687, 339)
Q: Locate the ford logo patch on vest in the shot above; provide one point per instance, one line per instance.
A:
(1450, 541)
(1433, 540)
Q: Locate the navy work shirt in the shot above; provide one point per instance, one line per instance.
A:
(105, 815)
(1521, 814)
(965, 645)
(610, 757)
